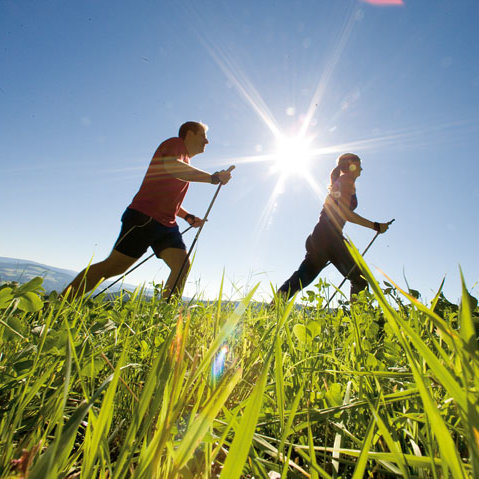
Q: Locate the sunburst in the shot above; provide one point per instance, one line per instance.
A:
(293, 155)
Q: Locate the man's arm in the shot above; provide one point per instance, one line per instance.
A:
(182, 213)
(185, 172)
(182, 171)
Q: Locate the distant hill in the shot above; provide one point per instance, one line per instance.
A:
(54, 279)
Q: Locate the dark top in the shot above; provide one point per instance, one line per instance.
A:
(342, 194)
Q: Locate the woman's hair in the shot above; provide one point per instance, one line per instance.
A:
(343, 163)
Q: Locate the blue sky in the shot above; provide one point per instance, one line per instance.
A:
(89, 89)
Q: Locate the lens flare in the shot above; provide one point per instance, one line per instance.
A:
(218, 365)
(323, 82)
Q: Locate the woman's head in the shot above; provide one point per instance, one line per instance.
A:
(347, 163)
(346, 160)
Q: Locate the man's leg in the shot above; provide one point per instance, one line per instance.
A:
(117, 263)
(175, 258)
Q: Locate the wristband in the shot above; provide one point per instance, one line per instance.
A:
(189, 218)
(377, 226)
(215, 179)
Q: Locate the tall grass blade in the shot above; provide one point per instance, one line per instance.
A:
(312, 453)
(393, 444)
(338, 437)
(470, 360)
(102, 422)
(292, 414)
(405, 334)
(360, 468)
(204, 421)
(241, 444)
(143, 415)
(279, 383)
(53, 456)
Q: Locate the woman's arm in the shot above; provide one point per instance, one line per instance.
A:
(361, 221)
(347, 215)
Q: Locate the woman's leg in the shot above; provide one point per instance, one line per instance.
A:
(305, 274)
(344, 262)
(314, 261)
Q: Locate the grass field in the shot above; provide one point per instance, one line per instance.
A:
(134, 387)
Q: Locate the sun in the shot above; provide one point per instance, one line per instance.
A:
(293, 155)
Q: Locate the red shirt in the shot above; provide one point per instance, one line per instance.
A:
(160, 194)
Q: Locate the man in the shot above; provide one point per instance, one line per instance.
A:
(150, 219)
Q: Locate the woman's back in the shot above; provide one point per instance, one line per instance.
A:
(342, 196)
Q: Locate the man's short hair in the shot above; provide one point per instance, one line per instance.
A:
(194, 126)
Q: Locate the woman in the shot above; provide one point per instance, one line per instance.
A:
(326, 242)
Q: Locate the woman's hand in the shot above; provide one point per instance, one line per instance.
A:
(383, 227)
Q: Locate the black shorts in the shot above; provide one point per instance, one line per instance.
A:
(140, 231)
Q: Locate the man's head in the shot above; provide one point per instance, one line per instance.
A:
(194, 135)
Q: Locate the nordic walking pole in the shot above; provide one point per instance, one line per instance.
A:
(351, 270)
(133, 269)
(231, 168)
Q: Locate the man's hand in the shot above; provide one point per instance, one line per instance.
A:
(222, 176)
(198, 222)
(194, 221)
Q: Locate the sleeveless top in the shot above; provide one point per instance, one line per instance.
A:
(343, 193)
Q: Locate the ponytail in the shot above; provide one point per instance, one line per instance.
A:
(343, 163)
(333, 177)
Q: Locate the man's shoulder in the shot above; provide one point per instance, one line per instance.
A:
(171, 147)
(175, 140)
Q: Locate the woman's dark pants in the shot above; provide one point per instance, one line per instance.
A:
(324, 244)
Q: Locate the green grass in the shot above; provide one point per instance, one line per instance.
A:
(386, 387)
